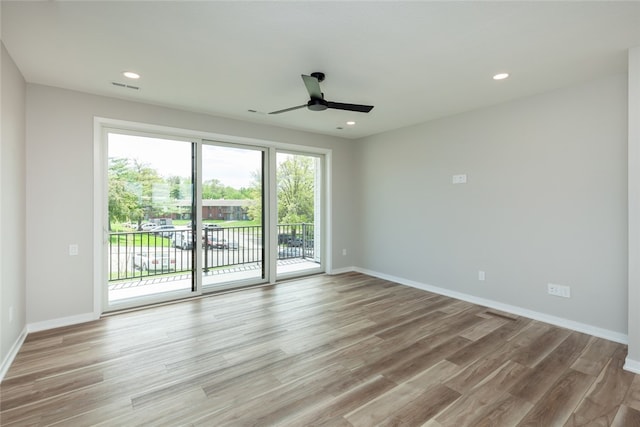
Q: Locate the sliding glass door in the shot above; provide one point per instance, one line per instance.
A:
(232, 230)
(186, 217)
(150, 211)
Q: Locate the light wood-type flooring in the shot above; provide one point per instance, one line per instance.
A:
(345, 350)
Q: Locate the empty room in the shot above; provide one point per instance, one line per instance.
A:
(305, 213)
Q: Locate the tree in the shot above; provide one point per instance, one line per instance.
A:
(214, 189)
(254, 193)
(175, 187)
(123, 203)
(131, 186)
(296, 176)
(296, 181)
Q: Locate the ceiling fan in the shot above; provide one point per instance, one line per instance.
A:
(317, 101)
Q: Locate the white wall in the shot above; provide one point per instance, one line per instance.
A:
(633, 356)
(12, 207)
(546, 201)
(60, 188)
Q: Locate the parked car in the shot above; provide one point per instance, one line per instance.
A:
(213, 242)
(183, 240)
(152, 262)
(164, 230)
(284, 238)
(290, 240)
(147, 226)
(297, 242)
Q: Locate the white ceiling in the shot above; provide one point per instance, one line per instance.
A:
(414, 61)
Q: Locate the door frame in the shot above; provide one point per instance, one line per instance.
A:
(100, 192)
(195, 289)
(266, 215)
(323, 212)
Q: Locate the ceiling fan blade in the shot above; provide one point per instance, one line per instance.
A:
(351, 107)
(288, 109)
(313, 86)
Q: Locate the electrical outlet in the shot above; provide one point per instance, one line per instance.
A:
(11, 314)
(481, 275)
(344, 252)
(459, 179)
(559, 290)
(73, 250)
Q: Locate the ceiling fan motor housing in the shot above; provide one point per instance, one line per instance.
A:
(316, 104)
(318, 75)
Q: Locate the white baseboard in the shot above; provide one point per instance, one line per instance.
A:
(531, 314)
(60, 322)
(342, 270)
(632, 366)
(13, 352)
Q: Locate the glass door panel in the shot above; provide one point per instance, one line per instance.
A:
(150, 213)
(232, 217)
(299, 201)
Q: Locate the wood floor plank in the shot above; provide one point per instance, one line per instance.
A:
(422, 360)
(344, 403)
(544, 344)
(488, 343)
(380, 409)
(507, 410)
(626, 417)
(595, 356)
(545, 374)
(341, 350)
(471, 406)
(600, 405)
(555, 407)
(483, 328)
(425, 406)
(632, 399)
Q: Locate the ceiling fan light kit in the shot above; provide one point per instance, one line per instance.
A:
(316, 98)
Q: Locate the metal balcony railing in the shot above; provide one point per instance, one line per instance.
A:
(140, 254)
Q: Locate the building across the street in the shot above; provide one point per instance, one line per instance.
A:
(222, 209)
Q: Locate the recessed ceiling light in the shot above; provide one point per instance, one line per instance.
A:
(501, 76)
(351, 123)
(131, 75)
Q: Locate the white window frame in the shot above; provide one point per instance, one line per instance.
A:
(102, 125)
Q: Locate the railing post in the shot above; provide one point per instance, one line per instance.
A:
(304, 235)
(206, 249)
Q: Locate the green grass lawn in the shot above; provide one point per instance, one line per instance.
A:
(132, 238)
(223, 223)
(140, 240)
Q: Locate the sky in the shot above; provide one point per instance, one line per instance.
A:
(232, 166)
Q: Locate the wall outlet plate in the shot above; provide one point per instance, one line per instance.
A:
(73, 249)
(459, 179)
(559, 290)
